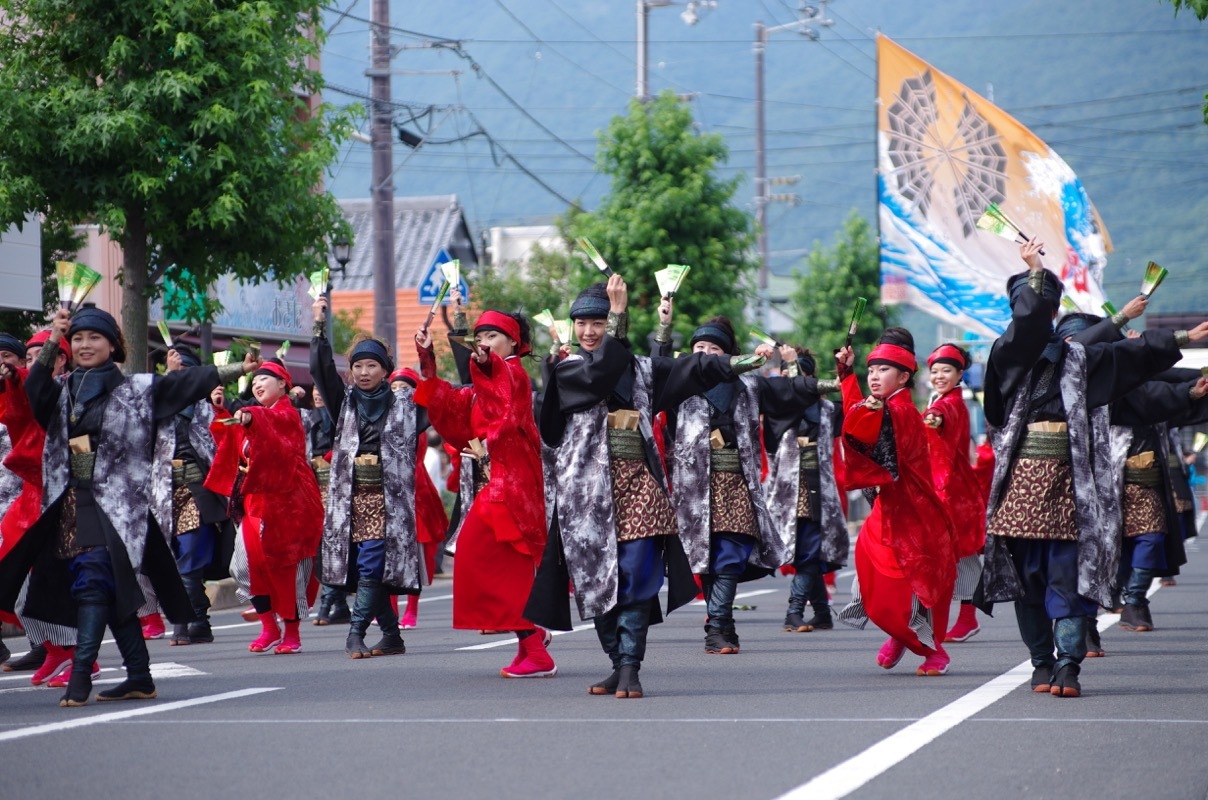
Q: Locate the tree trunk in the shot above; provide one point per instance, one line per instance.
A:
(134, 291)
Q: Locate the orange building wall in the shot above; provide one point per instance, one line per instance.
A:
(409, 314)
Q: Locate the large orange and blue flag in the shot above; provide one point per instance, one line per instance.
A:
(945, 155)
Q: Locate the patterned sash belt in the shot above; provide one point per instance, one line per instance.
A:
(1149, 477)
(626, 445)
(186, 474)
(82, 465)
(367, 473)
(809, 456)
(725, 460)
(1045, 444)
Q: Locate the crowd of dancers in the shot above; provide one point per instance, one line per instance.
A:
(626, 479)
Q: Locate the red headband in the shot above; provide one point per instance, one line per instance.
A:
(505, 323)
(40, 339)
(405, 374)
(277, 371)
(895, 356)
(948, 354)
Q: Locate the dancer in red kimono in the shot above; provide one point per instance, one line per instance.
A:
(904, 557)
(503, 537)
(261, 466)
(947, 420)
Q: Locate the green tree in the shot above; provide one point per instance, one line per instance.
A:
(180, 127)
(666, 205)
(60, 242)
(1200, 9)
(827, 290)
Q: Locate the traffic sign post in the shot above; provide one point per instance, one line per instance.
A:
(429, 286)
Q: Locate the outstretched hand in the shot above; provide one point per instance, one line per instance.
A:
(1199, 333)
(618, 294)
(1030, 253)
(666, 305)
(1136, 307)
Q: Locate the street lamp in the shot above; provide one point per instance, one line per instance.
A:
(809, 15)
(341, 251)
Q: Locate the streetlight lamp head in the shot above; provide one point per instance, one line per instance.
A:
(341, 250)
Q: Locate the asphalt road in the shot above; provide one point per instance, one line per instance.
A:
(793, 715)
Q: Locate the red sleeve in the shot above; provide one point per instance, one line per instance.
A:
(448, 410)
(27, 436)
(228, 440)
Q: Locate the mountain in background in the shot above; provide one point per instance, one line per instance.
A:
(1114, 86)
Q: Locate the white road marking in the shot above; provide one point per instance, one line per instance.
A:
(155, 708)
(167, 669)
(844, 778)
(512, 639)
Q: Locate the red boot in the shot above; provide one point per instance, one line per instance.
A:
(56, 657)
(153, 626)
(934, 664)
(536, 662)
(411, 615)
(270, 633)
(966, 625)
(63, 677)
(890, 653)
(292, 641)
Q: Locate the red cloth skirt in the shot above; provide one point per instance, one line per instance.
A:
(278, 583)
(887, 596)
(491, 579)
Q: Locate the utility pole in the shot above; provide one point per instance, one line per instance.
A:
(761, 174)
(762, 197)
(385, 325)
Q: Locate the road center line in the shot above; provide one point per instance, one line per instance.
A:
(157, 708)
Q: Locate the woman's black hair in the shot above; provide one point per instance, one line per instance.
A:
(904, 339)
(898, 336)
(964, 354)
(728, 327)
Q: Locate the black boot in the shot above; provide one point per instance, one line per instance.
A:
(391, 643)
(819, 601)
(91, 619)
(323, 614)
(340, 613)
(201, 632)
(363, 610)
(1136, 618)
(195, 586)
(180, 636)
(4, 652)
(608, 685)
(628, 685)
(138, 684)
(794, 620)
(1042, 679)
(1094, 645)
(606, 632)
(1036, 630)
(719, 632)
(1065, 681)
(28, 662)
